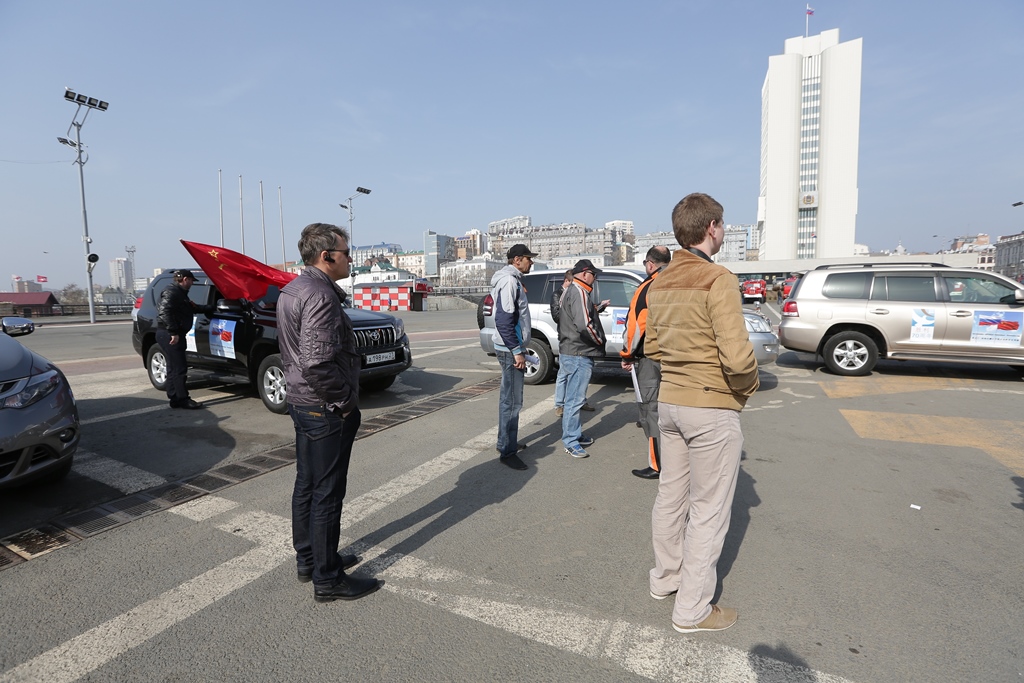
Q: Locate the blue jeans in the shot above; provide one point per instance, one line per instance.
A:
(577, 378)
(560, 385)
(323, 447)
(509, 404)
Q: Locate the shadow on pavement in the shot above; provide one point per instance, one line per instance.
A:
(769, 671)
(1019, 481)
(746, 497)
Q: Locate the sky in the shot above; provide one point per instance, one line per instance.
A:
(458, 113)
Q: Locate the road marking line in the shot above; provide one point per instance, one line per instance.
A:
(97, 360)
(87, 652)
(418, 356)
(272, 534)
(204, 508)
(114, 473)
(955, 432)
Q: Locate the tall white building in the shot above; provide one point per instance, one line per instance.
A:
(810, 136)
(122, 276)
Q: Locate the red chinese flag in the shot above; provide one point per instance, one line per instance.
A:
(236, 275)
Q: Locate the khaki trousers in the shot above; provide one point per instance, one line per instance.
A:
(700, 462)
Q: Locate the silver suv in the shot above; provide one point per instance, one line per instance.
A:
(617, 284)
(852, 315)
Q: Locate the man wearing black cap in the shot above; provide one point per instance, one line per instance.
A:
(581, 338)
(175, 317)
(511, 335)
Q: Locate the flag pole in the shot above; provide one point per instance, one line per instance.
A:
(807, 21)
(241, 215)
(263, 222)
(280, 208)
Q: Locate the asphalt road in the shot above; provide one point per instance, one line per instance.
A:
(876, 534)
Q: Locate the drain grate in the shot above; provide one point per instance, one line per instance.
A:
(172, 494)
(286, 453)
(9, 559)
(208, 482)
(91, 522)
(236, 471)
(36, 542)
(265, 462)
(133, 506)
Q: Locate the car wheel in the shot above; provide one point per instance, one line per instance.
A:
(156, 366)
(480, 315)
(539, 371)
(377, 384)
(851, 354)
(271, 385)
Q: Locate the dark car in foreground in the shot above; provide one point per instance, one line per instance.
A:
(39, 426)
(238, 341)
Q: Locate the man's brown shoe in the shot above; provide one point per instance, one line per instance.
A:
(559, 410)
(720, 619)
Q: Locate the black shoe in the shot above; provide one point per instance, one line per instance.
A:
(647, 473)
(305, 574)
(189, 404)
(513, 461)
(519, 447)
(174, 404)
(348, 588)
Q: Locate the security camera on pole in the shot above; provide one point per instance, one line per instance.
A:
(89, 103)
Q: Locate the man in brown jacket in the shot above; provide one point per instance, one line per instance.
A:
(695, 330)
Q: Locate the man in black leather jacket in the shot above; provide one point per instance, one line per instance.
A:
(175, 316)
(321, 368)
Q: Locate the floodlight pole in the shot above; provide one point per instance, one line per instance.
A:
(90, 103)
(351, 238)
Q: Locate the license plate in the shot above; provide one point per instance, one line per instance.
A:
(379, 357)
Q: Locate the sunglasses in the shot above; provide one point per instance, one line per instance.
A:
(343, 252)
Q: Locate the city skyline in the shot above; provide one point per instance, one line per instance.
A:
(612, 113)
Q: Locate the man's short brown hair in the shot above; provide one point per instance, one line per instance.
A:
(692, 216)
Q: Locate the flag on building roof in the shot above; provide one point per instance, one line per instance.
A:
(810, 10)
(42, 278)
(16, 278)
(235, 275)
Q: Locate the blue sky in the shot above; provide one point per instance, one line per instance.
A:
(459, 113)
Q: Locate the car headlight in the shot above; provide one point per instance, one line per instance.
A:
(36, 388)
(757, 324)
(399, 329)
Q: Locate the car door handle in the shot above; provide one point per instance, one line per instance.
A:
(880, 311)
(961, 314)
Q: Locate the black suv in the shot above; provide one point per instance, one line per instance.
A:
(239, 341)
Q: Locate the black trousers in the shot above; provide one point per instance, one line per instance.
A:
(177, 367)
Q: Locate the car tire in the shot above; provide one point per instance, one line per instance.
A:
(541, 371)
(270, 384)
(377, 384)
(156, 367)
(480, 315)
(851, 354)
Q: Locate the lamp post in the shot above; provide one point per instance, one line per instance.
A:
(89, 103)
(351, 237)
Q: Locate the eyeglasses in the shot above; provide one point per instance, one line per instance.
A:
(343, 252)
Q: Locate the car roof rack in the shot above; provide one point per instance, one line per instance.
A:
(898, 264)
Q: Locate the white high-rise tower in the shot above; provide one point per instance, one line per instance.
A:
(810, 137)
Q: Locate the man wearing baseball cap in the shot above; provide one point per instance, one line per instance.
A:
(511, 335)
(581, 339)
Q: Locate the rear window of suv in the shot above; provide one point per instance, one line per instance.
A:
(847, 286)
(904, 288)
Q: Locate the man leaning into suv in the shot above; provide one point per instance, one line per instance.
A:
(511, 336)
(321, 367)
(175, 317)
(696, 331)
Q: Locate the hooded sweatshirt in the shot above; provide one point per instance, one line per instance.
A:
(511, 311)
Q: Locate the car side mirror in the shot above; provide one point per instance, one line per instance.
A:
(229, 306)
(15, 327)
(1019, 296)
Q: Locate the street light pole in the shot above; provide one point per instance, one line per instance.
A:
(89, 103)
(351, 237)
